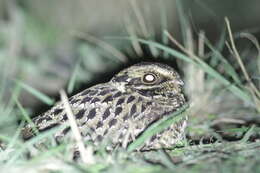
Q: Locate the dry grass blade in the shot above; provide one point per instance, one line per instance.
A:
(201, 44)
(86, 154)
(208, 69)
(177, 43)
(239, 60)
(227, 120)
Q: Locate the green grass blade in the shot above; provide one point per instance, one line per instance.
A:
(158, 127)
(164, 26)
(34, 140)
(15, 138)
(248, 134)
(217, 56)
(26, 116)
(184, 24)
(73, 78)
(44, 98)
(218, 47)
(199, 63)
(233, 88)
(51, 151)
(241, 130)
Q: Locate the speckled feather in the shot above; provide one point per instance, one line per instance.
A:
(125, 104)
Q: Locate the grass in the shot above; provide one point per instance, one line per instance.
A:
(223, 131)
(158, 127)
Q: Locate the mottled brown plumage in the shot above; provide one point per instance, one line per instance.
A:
(130, 102)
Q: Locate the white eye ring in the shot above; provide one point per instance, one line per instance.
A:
(149, 78)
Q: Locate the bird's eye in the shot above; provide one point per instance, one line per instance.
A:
(149, 78)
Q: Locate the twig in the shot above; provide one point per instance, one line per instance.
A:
(86, 154)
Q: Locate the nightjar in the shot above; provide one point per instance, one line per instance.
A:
(131, 101)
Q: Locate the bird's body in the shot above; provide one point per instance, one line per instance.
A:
(123, 108)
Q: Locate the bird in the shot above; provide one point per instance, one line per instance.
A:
(134, 99)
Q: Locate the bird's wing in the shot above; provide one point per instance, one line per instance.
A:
(83, 105)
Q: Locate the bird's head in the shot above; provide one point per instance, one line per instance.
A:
(154, 80)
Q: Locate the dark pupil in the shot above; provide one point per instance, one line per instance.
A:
(147, 76)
